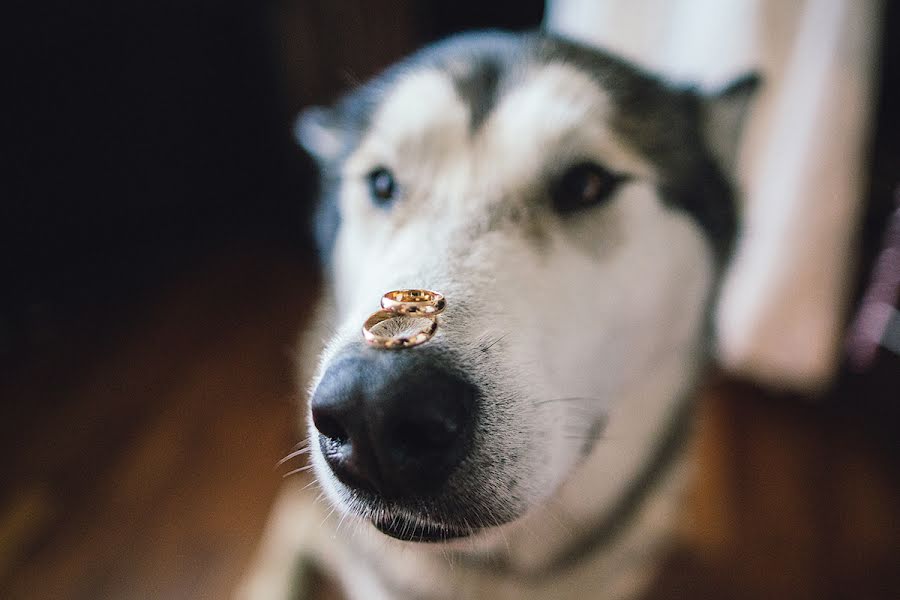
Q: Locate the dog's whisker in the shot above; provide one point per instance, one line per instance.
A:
(293, 454)
(486, 347)
(300, 444)
(500, 530)
(568, 399)
(310, 484)
(295, 471)
(330, 512)
(337, 529)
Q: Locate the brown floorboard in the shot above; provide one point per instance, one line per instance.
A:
(140, 459)
(148, 472)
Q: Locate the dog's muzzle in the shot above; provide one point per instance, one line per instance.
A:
(393, 425)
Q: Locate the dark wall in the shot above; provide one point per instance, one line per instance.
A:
(145, 134)
(141, 135)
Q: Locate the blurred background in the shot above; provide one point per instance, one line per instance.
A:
(156, 272)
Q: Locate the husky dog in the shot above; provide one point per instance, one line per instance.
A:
(576, 214)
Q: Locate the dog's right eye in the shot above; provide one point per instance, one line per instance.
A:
(382, 186)
(582, 186)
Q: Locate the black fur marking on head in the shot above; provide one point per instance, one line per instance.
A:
(478, 63)
(479, 89)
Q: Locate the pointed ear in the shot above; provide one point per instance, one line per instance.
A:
(724, 115)
(318, 132)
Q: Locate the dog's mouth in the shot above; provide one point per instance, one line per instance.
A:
(407, 530)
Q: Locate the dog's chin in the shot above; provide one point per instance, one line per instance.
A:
(407, 530)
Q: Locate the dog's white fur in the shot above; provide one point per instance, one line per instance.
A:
(617, 317)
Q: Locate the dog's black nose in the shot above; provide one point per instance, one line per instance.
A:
(392, 423)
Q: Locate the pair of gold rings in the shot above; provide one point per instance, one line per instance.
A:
(414, 305)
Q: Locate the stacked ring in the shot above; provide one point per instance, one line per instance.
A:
(411, 304)
(414, 302)
(396, 342)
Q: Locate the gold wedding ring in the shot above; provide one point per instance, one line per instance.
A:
(414, 302)
(403, 340)
(406, 306)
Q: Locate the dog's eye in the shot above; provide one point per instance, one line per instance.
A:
(582, 186)
(382, 186)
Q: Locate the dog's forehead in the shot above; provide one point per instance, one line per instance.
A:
(552, 107)
(555, 95)
(473, 74)
(468, 104)
(480, 79)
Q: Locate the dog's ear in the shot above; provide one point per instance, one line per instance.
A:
(724, 114)
(318, 132)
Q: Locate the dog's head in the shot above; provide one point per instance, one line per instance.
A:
(574, 214)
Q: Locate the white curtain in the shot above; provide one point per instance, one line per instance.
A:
(802, 157)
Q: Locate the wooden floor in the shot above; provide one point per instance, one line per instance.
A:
(140, 459)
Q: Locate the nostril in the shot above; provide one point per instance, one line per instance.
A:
(330, 427)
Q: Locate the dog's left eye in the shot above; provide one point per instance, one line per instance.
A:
(382, 186)
(582, 186)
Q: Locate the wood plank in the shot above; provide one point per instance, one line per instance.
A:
(147, 469)
(166, 471)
